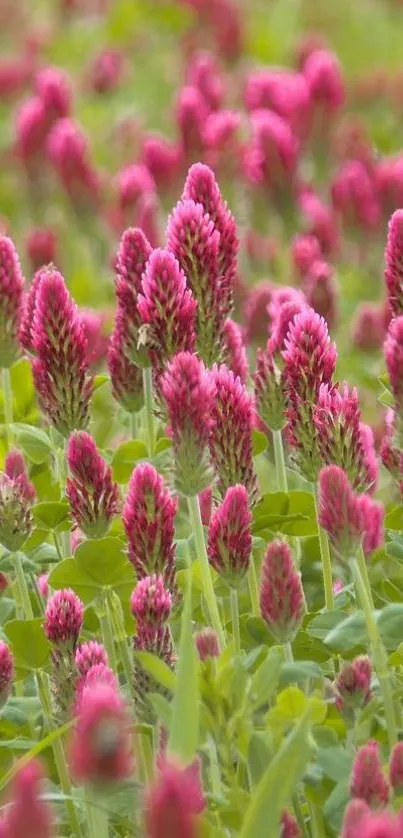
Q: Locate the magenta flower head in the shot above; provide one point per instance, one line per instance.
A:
(207, 644)
(43, 585)
(354, 682)
(342, 438)
(369, 327)
(234, 350)
(326, 86)
(31, 130)
(173, 802)
(320, 221)
(63, 619)
(162, 158)
(195, 241)
(191, 114)
(90, 654)
(133, 182)
(99, 673)
(255, 312)
(357, 813)
(6, 672)
(354, 197)
(91, 491)
(272, 156)
(41, 247)
(347, 518)
(100, 749)
(14, 468)
(126, 377)
(202, 188)
(167, 309)
(394, 264)
(151, 602)
(269, 390)
(281, 593)
(367, 781)
(28, 311)
(188, 392)
(16, 496)
(69, 153)
(53, 87)
(60, 369)
(149, 520)
(305, 250)
(289, 826)
(231, 433)
(229, 537)
(396, 768)
(204, 73)
(321, 291)
(133, 254)
(11, 301)
(393, 350)
(28, 814)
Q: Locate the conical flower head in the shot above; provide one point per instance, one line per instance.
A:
(14, 468)
(394, 264)
(60, 369)
(229, 545)
(151, 605)
(28, 814)
(99, 673)
(167, 309)
(91, 491)
(90, 654)
(188, 392)
(393, 351)
(126, 377)
(337, 417)
(151, 602)
(347, 518)
(231, 432)
(28, 310)
(132, 256)
(11, 301)
(396, 768)
(207, 644)
(6, 672)
(367, 781)
(233, 350)
(63, 619)
(195, 241)
(281, 593)
(15, 512)
(202, 188)
(100, 752)
(269, 390)
(354, 682)
(173, 802)
(149, 520)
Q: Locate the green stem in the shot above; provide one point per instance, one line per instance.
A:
(149, 408)
(106, 630)
(133, 425)
(214, 768)
(378, 650)
(316, 821)
(23, 587)
(296, 805)
(288, 655)
(8, 402)
(235, 621)
(57, 545)
(279, 460)
(97, 817)
(197, 528)
(253, 588)
(326, 562)
(121, 640)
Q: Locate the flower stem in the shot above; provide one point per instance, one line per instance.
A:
(288, 655)
(149, 408)
(279, 460)
(253, 588)
(197, 528)
(235, 621)
(97, 817)
(8, 403)
(299, 815)
(133, 425)
(106, 629)
(23, 587)
(326, 562)
(378, 650)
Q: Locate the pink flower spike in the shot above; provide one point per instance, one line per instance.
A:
(6, 672)
(269, 390)
(167, 308)
(191, 114)
(99, 673)
(354, 197)
(204, 74)
(394, 264)
(188, 392)
(321, 291)
(367, 781)
(28, 813)
(396, 768)
(305, 250)
(348, 518)
(69, 153)
(41, 247)
(281, 593)
(393, 350)
(43, 586)
(207, 644)
(289, 826)
(271, 158)
(132, 256)
(149, 520)
(354, 682)
(356, 814)
(151, 602)
(11, 301)
(229, 545)
(14, 468)
(126, 377)
(132, 183)
(63, 619)
(162, 158)
(373, 514)
(16, 520)
(90, 654)
(28, 310)
(91, 491)
(234, 350)
(323, 74)
(231, 433)
(309, 357)
(173, 802)
(100, 749)
(60, 370)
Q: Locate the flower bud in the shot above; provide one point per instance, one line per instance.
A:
(281, 593)
(207, 644)
(92, 493)
(173, 802)
(63, 619)
(11, 301)
(229, 545)
(6, 673)
(367, 781)
(28, 814)
(354, 682)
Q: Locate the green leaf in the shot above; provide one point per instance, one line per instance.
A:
(349, 633)
(125, 458)
(100, 380)
(322, 624)
(265, 679)
(277, 785)
(67, 574)
(386, 398)
(291, 514)
(336, 804)
(299, 671)
(390, 624)
(335, 761)
(394, 519)
(34, 442)
(184, 732)
(259, 442)
(28, 643)
(98, 563)
(260, 753)
(37, 749)
(157, 668)
(49, 515)
(163, 444)
(162, 708)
